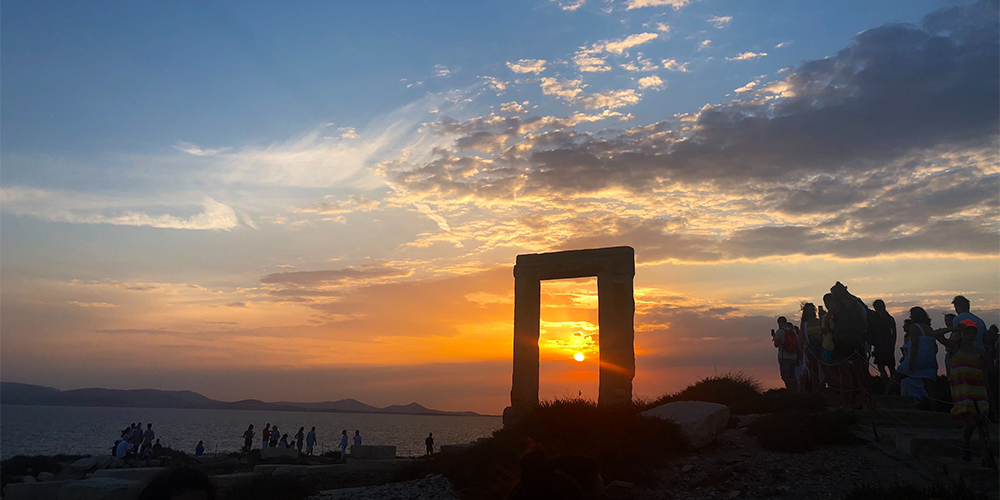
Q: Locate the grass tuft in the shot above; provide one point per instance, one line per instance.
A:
(799, 431)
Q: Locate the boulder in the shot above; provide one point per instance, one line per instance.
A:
(700, 422)
(100, 488)
(84, 464)
(290, 470)
(34, 491)
(46, 476)
(141, 474)
(269, 453)
(368, 451)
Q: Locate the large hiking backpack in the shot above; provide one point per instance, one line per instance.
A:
(850, 327)
(791, 343)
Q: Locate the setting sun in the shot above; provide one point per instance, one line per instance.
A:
(578, 356)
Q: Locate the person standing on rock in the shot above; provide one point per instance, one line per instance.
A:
(429, 442)
(275, 436)
(343, 443)
(248, 439)
(299, 436)
(787, 343)
(310, 441)
(265, 435)
(147, 439)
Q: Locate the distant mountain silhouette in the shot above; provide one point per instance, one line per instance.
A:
(13, 393)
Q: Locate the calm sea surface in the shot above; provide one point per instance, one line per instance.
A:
(48, 430)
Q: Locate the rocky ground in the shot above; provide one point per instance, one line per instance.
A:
(429, 488)
(735, 466)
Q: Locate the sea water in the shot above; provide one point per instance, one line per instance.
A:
(49, 430)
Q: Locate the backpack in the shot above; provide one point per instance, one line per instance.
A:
(850, 327)
(791, 343)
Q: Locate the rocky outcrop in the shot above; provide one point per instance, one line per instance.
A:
(368, 451)
(429, 488)
(100, 488)
(700, 422)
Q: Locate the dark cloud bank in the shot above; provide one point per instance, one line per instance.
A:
(890, 146)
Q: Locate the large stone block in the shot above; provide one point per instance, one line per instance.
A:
(34, 491)
(368, 451)
(100, 488)
(700, 422)
(141, 474)
(290, 470)
(229, 480)
(269, 453)
(91, 463)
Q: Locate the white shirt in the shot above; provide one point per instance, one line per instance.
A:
(123, 448)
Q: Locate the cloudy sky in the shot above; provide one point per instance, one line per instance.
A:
(324, 200)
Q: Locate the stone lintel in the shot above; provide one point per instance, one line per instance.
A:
(576, 263)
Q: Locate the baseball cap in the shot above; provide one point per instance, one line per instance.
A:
(968, 323)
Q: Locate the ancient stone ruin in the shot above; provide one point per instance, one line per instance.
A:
(614, 268)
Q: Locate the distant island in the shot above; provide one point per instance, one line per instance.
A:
(13, 393)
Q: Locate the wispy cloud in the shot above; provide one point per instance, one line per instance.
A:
(74, 208)
(589, 59)
(746, 56)
(673, 65)
(676, 4)
(652, 81)
(535, 66)
(570, 5)
(720, 22)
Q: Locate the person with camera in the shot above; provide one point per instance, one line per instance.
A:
(789, 352)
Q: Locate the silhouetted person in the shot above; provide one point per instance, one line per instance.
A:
(343, 443)
(179, 483)
(299, 436)
(787, 343)
(157, 446)
(357, 437)
(849, 327)
(248, 439)
(124, 447)
(310, 441)
(884, 328)
(265, 436)
(811, 334)
(962, 310)
(275, 435)
(429, 443)
(200, 449)
(919, 365)
(147, 439)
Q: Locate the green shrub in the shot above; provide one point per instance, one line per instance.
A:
(799, 431)
(627, 445)
(735, 389)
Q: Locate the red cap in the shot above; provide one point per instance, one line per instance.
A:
(968, 323)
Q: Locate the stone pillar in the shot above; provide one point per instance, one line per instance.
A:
(616, 330)
(527, 308)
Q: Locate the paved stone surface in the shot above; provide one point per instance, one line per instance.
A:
(429, 488)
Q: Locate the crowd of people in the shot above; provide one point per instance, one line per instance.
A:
(832, 349)
(135, 443)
